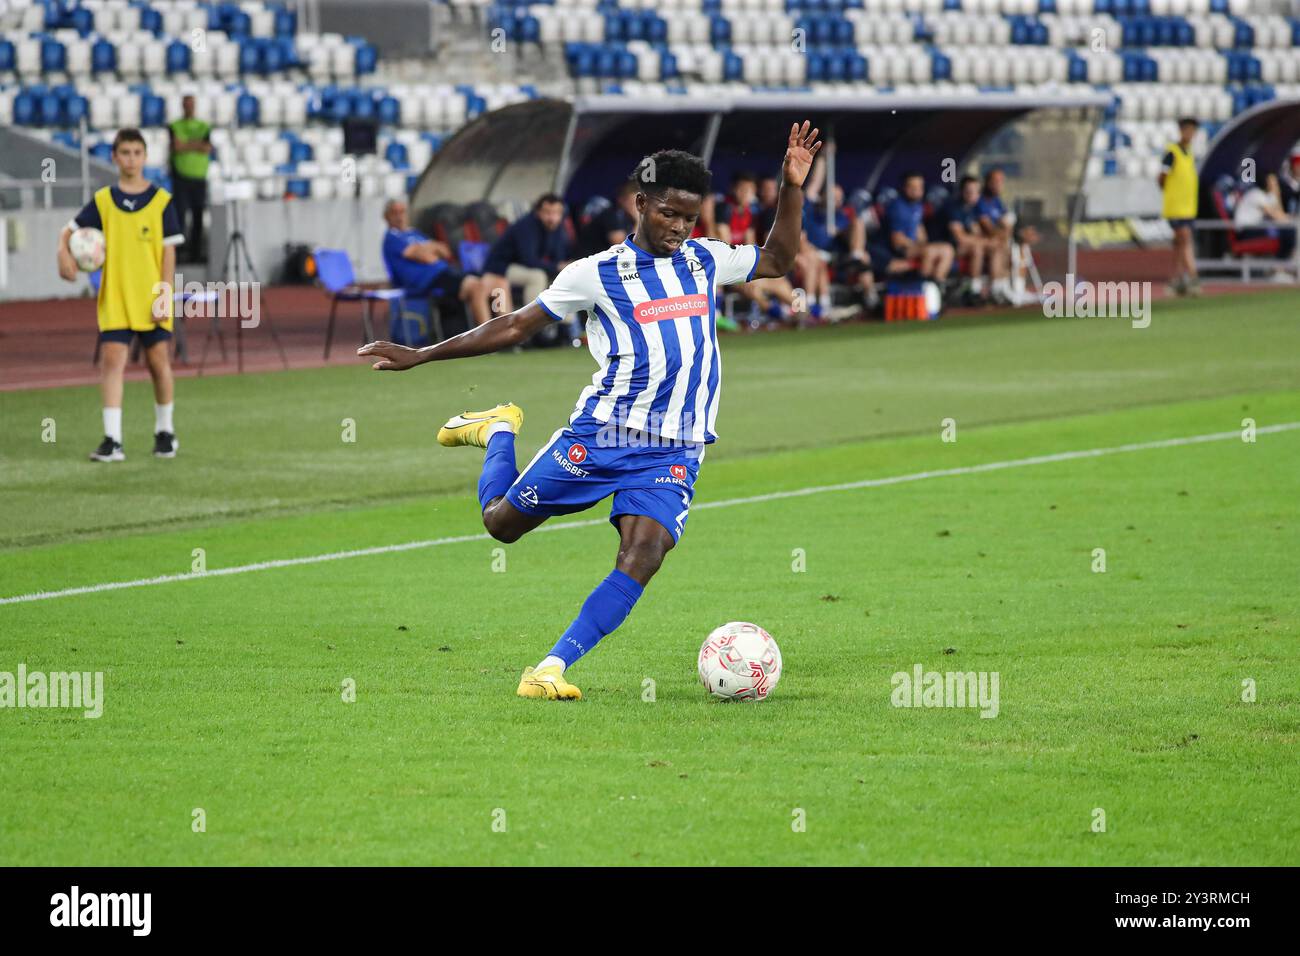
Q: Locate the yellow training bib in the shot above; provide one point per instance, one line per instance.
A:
(1182, 187)
(133, 244)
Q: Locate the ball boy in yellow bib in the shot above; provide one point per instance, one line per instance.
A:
(141, 233)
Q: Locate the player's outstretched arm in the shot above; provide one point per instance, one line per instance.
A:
(493, 335)
(776, 257)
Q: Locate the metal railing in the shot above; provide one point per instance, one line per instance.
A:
(28, 188)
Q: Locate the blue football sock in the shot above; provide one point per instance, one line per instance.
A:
(604, 610)
(499, 471)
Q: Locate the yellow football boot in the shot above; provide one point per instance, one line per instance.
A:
(548, 683)
(470, 428)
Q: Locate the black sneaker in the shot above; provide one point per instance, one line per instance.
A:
(108, 450)
(165, 445)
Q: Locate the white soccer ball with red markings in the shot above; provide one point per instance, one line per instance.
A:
(740, 661)
(87, 247)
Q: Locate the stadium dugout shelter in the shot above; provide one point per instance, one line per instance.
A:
(1253, 143)
(587, 146)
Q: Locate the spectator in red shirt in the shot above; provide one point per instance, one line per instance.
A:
(736, 218)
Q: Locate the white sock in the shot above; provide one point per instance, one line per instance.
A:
(162, 417)
(551, 660)
(977, 285)
(113, 424)
(497, 427)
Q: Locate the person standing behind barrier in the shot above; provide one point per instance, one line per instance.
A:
(1181, 187)
(530, 253)
(191, 148)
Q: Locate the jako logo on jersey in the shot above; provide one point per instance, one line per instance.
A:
(678, 471)
(577, 453)
(656, 310)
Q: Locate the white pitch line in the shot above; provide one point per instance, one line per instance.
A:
(726, 503)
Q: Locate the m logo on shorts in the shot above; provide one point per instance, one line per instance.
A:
(577, 453)
(678, 471)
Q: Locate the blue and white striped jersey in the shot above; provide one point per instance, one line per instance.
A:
(651, 328)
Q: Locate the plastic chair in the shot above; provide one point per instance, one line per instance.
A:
(473, 256)
(334, 270)
(421, 309)
(1259, 246)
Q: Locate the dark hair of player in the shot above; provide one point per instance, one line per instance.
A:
(965, 180)
(545, 200)
(673, 169)
(128, 135)
(1187, 121)
(744, 176)
(912, 174)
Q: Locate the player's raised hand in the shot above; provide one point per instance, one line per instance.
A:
(392, 357)
(799, 153)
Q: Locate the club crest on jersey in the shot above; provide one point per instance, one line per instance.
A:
(577, 453)
(672, 307)
(529, 496)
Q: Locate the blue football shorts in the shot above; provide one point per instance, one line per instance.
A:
(586, 462)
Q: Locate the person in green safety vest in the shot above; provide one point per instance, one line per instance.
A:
(191, 145)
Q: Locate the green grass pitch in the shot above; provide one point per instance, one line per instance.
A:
(1120, 692)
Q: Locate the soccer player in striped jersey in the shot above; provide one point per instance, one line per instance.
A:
(640, 428)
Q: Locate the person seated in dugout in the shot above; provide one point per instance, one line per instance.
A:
(907, 237)
(530, 253)
(422, 266)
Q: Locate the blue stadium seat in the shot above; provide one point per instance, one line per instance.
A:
(719, 31)
(153, 111)
(247, 109)
(367, 57)
(178, 57)
(396, 155)
(286, 22)
(103, 57)
(250, 57)
(76, 108)
(82, 19)
(940, 66)
(54, 56)
(151, 21)
(361, 104)
(26, 108)
(49, 108)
